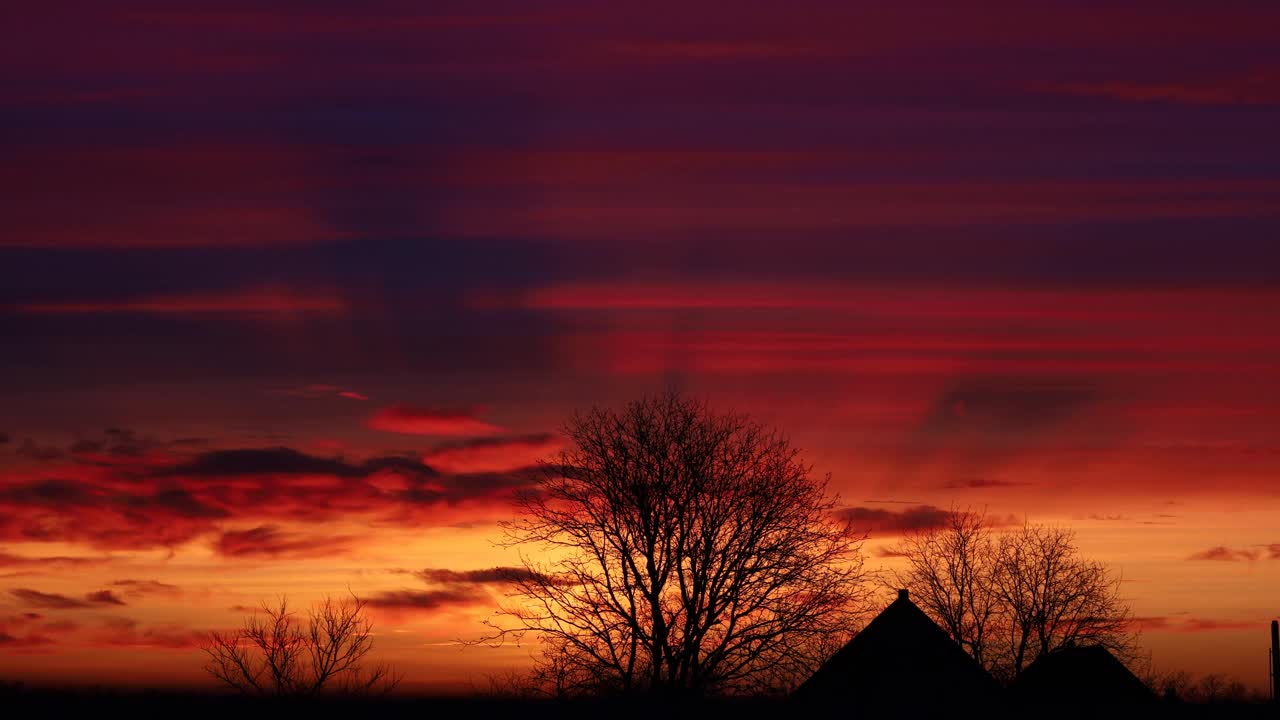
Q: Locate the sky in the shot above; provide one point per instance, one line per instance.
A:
(293, 296)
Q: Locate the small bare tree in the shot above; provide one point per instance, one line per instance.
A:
(277, 654)
(1054, 598)
(692, 552)
(1009, 598)
(951, 576)
(1212, 689)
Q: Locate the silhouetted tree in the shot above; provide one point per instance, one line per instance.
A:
(951, 576)
(277, 654)
(1212, 689)
(1011, 597)
(692, 552)
(1053, 597)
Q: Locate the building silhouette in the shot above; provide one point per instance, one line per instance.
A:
(1079, 675)
(900, 659)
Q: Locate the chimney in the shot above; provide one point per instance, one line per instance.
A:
(1275, 661)
(902, 595)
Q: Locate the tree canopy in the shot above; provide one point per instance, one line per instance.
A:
(687, 551)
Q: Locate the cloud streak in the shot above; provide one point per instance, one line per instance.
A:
(878, 521)
(409, 420)
(268, 541)
(241, 302)
(143, 588)
(104, 597)
(1185, 624)
(493, 454)
(426, 599)
(249, 495)
(1222, 553)
(48, 601)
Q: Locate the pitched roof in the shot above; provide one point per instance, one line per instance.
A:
(1080, 675)
(900, 658)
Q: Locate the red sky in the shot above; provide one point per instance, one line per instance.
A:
(292, 298)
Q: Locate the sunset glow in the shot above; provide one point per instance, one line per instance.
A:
(295, 296)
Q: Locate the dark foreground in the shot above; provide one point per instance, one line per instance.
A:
(17, 702)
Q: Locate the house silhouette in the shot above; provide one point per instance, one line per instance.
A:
(900, 659)
(1079, 675)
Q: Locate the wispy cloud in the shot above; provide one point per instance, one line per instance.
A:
(272, 301)
(493, 454)
(48, 601)
(411, 420)
(1223, 553)
(268, 541)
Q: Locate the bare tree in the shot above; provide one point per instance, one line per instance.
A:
(277, 654)
(951, 576)
(1053, 597)
(692, 552)
(1182, 686)
(513, 684)
(1011, 597)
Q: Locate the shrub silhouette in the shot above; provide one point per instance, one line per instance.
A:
(277, 654)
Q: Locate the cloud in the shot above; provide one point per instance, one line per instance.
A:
(48, 601)
(106, 513)
(140, 588)
(271, 301)
(270, 541)
(287, 461)
(322, 390)
(9, 560)
(878, 521)
(426, 599)
(999, 409)
(264, 461)
(28, 630)
(889, 551)
(1165, 623)
(153, 501)
(410, 420)
(976, 424)
(1213, 625)
(1225, 554)
(489, 576)
(118, 446)
(125, 632)
(449, 587)
(493, 454)
(1222, 553)
(1152, 622)
(104, 597)
(21, 618)
(16, 642)
(917, 518)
